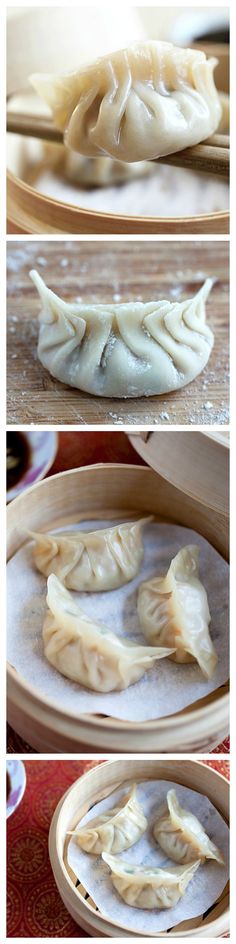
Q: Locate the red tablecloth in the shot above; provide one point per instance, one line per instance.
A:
(74, 450)
(35, 908)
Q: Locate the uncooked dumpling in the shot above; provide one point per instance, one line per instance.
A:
(88, 652)
(91, 560)
(137, 104)
(182, 837)
(173, 611)
(124, 350)
(143, 887)
(115, 830)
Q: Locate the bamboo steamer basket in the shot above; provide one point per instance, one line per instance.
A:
(31, 212)
(104, 491)
(100, 782)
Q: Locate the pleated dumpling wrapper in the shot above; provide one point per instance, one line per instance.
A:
(91, 560)
(143, 887)
(173, 611)
(124, 350)
(136, 104)
(116, 829)
(90, 653)
(182, 837)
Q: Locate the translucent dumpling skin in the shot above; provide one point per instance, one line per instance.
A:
(91, 560)
(143, 887)
(124, 350)
(173, 610)
(88, 652)
(140, 103)
(115, 830)
(181, 835)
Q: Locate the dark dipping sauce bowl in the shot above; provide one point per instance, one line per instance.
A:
(18, 458)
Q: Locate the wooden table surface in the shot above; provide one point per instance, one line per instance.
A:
(101, 271)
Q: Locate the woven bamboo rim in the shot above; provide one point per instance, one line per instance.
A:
(46, 724)
(32, 212)
(102, 781)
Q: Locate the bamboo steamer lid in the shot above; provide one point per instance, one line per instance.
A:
(195, 462)
(100, 782)
(99, 491)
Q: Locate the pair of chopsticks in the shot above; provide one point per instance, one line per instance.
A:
(211, 157)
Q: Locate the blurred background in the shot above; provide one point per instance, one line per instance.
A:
(61, 37)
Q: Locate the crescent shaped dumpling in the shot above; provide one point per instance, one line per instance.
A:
(136, 104)
(124, 350)
(88, 652)
(115, 830)
(143, 887)
(91, 560)
(173, 611)
(182, 837)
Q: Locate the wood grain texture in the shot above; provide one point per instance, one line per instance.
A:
(99, 271)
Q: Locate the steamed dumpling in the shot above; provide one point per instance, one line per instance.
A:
(88, 652)
(143, 887)
(91, 560)
(124, 350)
(173, 611)
(182, 837)
(138, 103)
(115, 830)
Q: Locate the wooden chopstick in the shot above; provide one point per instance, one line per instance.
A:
(211, 157)
(202, 157)
(33, 126)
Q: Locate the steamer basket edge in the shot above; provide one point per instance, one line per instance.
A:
(185, 505)
(51, 729)
(184, 772)
(201, 728)
(31, 212)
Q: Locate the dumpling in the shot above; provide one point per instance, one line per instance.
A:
(91, 560)
(87, 652)
(115, 830)
(173, 611)
(124, 350)
(143, 887)
(137, 104)
(182, 837)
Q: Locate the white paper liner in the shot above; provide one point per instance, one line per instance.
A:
(204, 889)
(164, 690)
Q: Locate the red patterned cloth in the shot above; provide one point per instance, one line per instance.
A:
(35, 908)
(74, 450)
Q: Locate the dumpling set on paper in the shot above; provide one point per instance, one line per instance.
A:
(173, 610)
(124, 350)
(179, 833)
